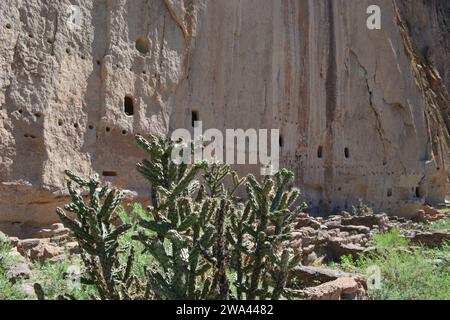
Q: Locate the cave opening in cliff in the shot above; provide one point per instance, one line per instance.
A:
(347, 153)
(143, 44)
(320, 152)
(109, 173)
(194, 117)
(418, 193)
(128, 105)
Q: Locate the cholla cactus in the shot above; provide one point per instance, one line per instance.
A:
(259, 234)
(196, 233)
(98, 238)
(180, 231)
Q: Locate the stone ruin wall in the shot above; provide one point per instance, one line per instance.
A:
(363, 113)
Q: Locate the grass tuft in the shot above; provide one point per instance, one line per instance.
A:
(406, 273)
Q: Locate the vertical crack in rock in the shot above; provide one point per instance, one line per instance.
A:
(378, 124)
(185, 25)
(55, 31)
(331, 100)
(161, 51)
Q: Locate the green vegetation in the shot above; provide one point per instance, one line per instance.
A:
(8, 290)
(406, 272)
(59, 278)
(199, 241)
(441, 225)
(52, 277)
(361, 209)
(97, 232)
(196, 241)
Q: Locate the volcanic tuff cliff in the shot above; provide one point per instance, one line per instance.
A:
(362, 113)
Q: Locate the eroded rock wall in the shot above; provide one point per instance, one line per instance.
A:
(363, 113)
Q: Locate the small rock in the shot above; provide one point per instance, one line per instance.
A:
(308, 222)
(38, 249)
(56, 259)
(19, 270)
(296, 244)
(345, 214)
(368, 220)
(57, 226)
(311, 275)
(56, 229)
(309, 259)
(15, 254)
(345, 288)
(333, 224)
(296, 235)
(334, 218)
(50, 251)
(130, 194)
(27, 244)
(358, 229)
(28, 290)
(270, 230)
(73, 247)
(309, 240)
(14, 241)
(333, 233)
(308, 249)
(432, 239)
(302, 215)
(336, 249)
(430, 211)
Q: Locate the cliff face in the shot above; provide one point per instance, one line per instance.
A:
(363, 114)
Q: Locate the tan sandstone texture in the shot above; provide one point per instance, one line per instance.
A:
(363, 113)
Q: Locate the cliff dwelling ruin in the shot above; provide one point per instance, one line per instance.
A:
(363, 114)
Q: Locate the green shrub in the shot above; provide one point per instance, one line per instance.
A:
(389, 240)
(57, 281)
(8, 290)
(406, 273)
(361, 209)
(441, 225)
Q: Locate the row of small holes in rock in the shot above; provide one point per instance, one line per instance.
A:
(91, 127)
